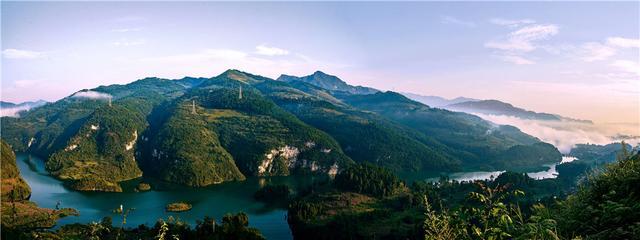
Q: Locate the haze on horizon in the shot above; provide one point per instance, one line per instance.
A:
(580, 60)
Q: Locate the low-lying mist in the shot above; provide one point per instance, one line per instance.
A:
(13, 111)
(566, 134)
(91, 95)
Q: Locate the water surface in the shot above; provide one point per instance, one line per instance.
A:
(550, 172)
(149, 206)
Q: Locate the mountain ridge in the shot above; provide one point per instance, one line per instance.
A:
(272, 128)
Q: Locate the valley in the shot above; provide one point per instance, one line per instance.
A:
(207, 146)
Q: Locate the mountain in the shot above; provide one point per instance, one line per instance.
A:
(495, 107)
(328, 82)
(491, 107)
(477, 143)
(203, 131)
(599, 154)
(12, 109)
(436, 101)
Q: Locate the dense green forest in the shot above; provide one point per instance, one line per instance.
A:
(599, 203)
(269, 128)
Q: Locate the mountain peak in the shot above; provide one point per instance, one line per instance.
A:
(329, 82)
(321, 73)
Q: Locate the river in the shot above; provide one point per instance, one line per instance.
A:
(550, 172)
(215, 201)
(149, 206)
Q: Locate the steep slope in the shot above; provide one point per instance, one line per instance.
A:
(328, 82)
(481, 143)
(185, 151)
(16, 209)
(266, 140)
(86, 141)
(365, 137)
(14, 188)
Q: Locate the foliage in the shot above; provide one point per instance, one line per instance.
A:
(476, 142)
(607, 206)
(365, 137)
(368, 179)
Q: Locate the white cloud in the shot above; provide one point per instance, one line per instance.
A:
(627, 66)
(623, 42)
(511, 22)
(523, 39)
(91, 95)
(128, 43)
(13, 111)
(564, 134)
(516, 59)
(457, 21)
(123, 30)
(25, 83)
(593, 51)
(512, 47)
(270, 51)
(12, 53)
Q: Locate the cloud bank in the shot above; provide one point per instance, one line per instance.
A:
(565, 135)
(13, 112)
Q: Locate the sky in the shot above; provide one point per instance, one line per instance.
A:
(577, 59)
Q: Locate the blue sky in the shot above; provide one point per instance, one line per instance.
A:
(571, 58)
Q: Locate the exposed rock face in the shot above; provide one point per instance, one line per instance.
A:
(333, 170)
(130, 145)
(287, 154)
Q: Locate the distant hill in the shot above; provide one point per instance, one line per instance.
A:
(491, 107)
(9, 109)
(495, 107)
(328, 82)
(436, 101)
(599, 154)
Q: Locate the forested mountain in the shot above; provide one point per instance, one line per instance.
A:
(495, 107)
(478, 143)
(491, 107)
(436, 101)
(201, 131)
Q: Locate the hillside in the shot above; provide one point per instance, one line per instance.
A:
(478, 143)
(249, 125)
(16, 209)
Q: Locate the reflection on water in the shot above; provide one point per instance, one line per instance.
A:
(149, 206)
(550, 172)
